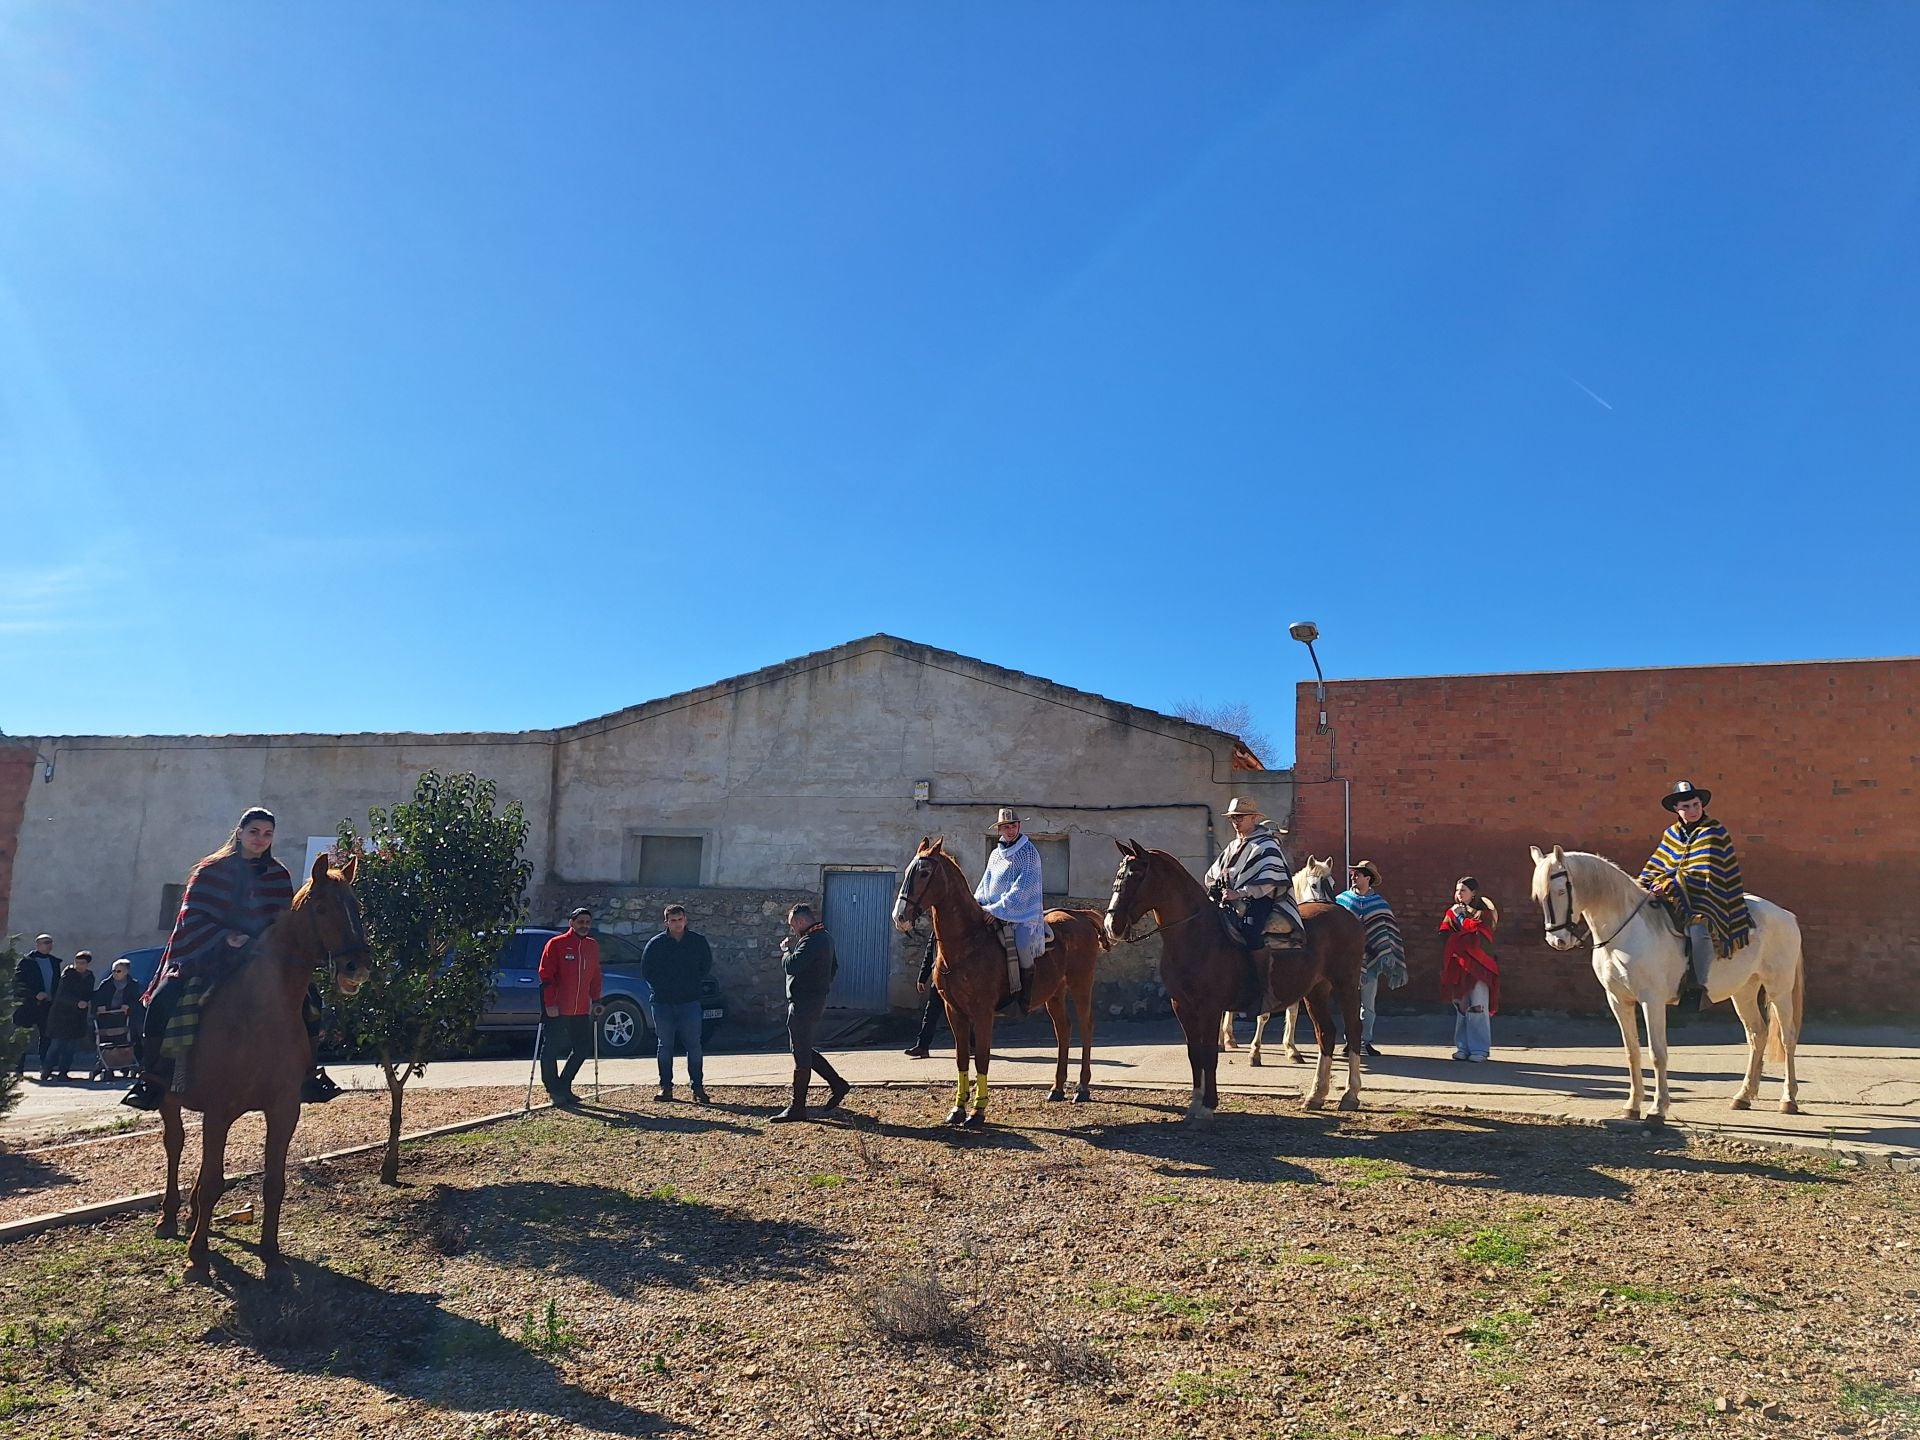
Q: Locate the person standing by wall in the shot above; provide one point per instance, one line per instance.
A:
(935, 1006)
(810, 964)
(1469, 975)
(1386, 952)
(570, 1000)
(69, 1016)
(33, 986)
(675, 964)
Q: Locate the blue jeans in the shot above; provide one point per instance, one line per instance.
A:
(57, 1057)
(680, 1021)
(1472, 1025)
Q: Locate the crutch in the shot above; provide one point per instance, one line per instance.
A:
(595, 1018)
(527, 1109)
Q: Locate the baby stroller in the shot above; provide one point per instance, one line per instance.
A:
(114, 1045)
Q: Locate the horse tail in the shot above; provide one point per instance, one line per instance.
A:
(1099, 923)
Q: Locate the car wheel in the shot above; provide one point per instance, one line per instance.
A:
(623, 1026)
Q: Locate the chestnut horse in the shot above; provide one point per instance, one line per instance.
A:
(970, 972)
(1206, 974)
(252, 1052)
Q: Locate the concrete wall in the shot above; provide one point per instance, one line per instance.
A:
(783, 774)
(19, 768)
(126, 816)
(1815, 770)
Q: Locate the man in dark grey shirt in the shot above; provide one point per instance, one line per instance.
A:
(808, 959)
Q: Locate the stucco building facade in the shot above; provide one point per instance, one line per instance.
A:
(814, 777)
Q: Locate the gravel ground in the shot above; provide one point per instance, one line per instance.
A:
(1103, 1270)
(37, 1179)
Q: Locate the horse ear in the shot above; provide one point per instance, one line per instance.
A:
(939, 846)
(1538, 855)
(1559, 855)
(319, 876)
(351, 868)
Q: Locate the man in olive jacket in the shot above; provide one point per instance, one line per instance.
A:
(807, 957)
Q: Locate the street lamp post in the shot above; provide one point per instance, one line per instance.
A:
(1306, 632)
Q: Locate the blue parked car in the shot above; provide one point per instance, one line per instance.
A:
(626, 1019)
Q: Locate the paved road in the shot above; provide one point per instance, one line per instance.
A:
(1860, 1088)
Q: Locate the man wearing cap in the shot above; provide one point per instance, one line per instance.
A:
(1253, 882)
(1010, 891)
(33, 985)
(1695, 871)
(570, 997)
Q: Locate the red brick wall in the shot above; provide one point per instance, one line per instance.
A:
(16, 778)
(1814, 770)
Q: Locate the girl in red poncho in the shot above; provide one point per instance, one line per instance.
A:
(1469, 975)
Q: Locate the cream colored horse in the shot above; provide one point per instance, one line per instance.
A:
(1313, 881)
(1639, 960)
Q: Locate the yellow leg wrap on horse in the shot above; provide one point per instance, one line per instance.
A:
(980, 1092)
(960, 1093)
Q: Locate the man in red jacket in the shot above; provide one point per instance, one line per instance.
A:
(570, 995)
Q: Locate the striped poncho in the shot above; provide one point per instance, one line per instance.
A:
(223, 894)
(1698, 863)
(1386, 952)
(1254, 864)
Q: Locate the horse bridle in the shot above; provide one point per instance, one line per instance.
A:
(914, 907)
(1575, 922)
(1148, 934)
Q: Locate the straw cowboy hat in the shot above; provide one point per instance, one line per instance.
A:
(1006, 817)
(1687, 790)
(1368, 866)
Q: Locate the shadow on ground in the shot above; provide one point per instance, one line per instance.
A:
(318, 1322)
(620, 1240)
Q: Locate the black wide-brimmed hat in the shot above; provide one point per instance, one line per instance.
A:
(1687, 790)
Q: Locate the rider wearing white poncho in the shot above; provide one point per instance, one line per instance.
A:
(1011, 892)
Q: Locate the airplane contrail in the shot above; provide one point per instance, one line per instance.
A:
(1590, 395)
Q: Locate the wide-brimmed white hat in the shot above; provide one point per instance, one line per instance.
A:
(1240, 805)
(1007, 817)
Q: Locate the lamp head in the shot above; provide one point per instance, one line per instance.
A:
(1305, 631)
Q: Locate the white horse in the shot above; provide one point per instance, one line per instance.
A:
(1313, 881)
(1639, 959)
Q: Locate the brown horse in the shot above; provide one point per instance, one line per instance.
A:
(1206, 974)
(252, 1052)
(970, 972)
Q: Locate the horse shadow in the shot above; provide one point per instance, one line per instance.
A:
(681, 1120)
(21, 1173)
(1466, 1151)
(316, 1321)
(622, 1241)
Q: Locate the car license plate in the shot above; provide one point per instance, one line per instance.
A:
(711, 1014)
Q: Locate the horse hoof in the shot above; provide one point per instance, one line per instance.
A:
(1632, 1112)
(1254, 1060)
(1348, 1102)
(197, 1275)
(955, 1116)
(1313, 1102)
(1199, 1115)
(1740, 1102)
(1081, 1097)
(1296, 1057)
(977, 1120)
(166, 1230)
(1789, 1107)
(1054, 1097)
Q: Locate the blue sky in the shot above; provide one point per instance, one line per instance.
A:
(460, 366)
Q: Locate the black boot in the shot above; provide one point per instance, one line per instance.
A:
(145, 1095)
(797, 1109)
(318, 1088)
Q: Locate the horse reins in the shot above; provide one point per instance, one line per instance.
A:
(358, 932)
(1574, 922)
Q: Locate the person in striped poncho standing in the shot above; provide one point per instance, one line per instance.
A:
(1386, 952)
(1695, 871)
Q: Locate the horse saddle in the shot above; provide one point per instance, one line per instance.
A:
(1283, 931)
(1004, 930)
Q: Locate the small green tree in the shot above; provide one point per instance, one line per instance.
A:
(13, 1040)
(441, 885)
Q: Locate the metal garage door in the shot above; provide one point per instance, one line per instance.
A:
(859, 910)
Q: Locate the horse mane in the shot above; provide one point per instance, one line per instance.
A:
(1588, 869)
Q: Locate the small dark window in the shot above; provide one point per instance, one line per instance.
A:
(170, 905)
(670, 860)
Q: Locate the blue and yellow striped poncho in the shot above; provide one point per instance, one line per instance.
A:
(1700, 863)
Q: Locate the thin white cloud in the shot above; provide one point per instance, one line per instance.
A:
(1598, 400)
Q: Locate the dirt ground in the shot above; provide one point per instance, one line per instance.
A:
(1076, 1271)
(127, 1158)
